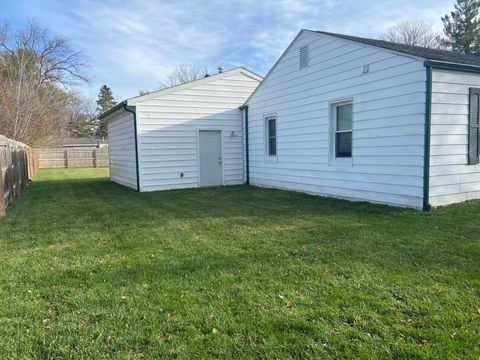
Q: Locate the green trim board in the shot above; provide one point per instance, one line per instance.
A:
(112, 110)
(452, 66)
(247, 154)
(427, 131)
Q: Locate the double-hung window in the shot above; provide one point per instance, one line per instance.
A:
(342, 126)
(271, 136)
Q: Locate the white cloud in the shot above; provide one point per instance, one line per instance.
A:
(133, 44)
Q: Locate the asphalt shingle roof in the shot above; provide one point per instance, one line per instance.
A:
(422, 52)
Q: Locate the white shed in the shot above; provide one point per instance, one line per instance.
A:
(182, 137)
(365, 119)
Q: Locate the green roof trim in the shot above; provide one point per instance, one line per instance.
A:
(119, 106)
(441, 65)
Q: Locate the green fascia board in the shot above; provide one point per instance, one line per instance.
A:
(452, 66)
(112, 110)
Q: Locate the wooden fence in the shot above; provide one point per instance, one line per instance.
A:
(72, 158)
(18, 164)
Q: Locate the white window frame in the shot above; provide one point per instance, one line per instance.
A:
(338, 161)
(270, 158)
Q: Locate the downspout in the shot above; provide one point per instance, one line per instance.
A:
(426, 156)
(136, 141)
(247, 157)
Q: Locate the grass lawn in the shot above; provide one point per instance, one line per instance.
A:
(90, 269)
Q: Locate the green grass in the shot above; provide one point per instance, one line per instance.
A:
(90, 269)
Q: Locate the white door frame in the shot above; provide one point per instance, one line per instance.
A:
(221, 152)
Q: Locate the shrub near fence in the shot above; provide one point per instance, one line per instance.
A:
(18, 163)
(72, 158)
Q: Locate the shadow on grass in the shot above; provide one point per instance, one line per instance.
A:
(303, 265)
(95, 182)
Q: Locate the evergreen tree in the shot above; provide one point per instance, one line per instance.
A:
(105, 101)
(462, 27)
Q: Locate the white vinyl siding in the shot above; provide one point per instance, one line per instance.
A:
(452, 179)
(121, 146)
(168, 126)
(388, 122)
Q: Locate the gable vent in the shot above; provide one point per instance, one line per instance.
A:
(304, 56)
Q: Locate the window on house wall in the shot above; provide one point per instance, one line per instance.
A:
(271, 135)
(474, 127)
(342, 123)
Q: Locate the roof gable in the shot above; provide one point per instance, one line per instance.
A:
(275, 64)
(421, 53)
(240, 70)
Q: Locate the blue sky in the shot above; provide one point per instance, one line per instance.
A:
(131, 45)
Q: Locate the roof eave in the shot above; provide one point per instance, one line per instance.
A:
(443, 65)
(112, 110)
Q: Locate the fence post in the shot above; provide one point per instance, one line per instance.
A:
(11, 194)
(19, 165)
(2, 195)
(31, 168)
(2, 182)
(95, 158)
(28, 153)
(17, 173)
(16, 168)
(66, 159)
(25, 168)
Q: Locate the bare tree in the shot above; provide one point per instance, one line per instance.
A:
(142, 92)
(80, 116)
(35, 71)
(31, 112)
(412, 32)
(183, 74)
(53, 58)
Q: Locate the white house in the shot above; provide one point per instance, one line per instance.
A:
(369, 120)
(337, 115)
(185, 136)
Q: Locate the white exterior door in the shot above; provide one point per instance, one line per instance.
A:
(210, 153)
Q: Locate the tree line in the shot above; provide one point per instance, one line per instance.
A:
(39, 77)
(461, 30)
(40, 74)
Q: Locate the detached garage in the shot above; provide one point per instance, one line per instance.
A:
(185, 136)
